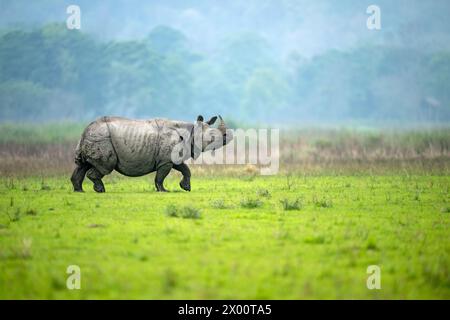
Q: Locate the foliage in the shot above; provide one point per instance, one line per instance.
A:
(55, 73)
(52, 73)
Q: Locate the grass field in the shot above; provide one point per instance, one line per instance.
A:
(294, 237)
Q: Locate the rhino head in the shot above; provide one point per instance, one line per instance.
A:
(206, 137)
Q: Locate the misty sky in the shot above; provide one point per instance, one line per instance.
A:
(307, 27)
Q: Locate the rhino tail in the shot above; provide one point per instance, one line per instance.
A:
(79, 160)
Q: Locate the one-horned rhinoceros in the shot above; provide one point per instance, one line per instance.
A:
(138, 147)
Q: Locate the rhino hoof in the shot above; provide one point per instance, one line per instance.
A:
(99, 189)
(186, 187)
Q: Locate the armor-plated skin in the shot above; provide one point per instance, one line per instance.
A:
(137, 147)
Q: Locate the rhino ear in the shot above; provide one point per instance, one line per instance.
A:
(212, 120)
(200, 118)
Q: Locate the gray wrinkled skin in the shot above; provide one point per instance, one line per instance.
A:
(137, 147)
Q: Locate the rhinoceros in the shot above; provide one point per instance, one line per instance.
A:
(137, 147)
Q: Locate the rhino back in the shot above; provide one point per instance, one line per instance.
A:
(136, 145)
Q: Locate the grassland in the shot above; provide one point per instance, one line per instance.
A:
(240, 243)
(44, 150)
(343, 200)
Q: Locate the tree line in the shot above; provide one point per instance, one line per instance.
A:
(51, 73)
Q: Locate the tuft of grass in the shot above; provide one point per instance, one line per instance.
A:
(323, 203)
(249, 203)
(31, 212)
(9, 184)
(171, 210)
(371, 244)
(24, 251)
(248, 178)
(445, 210)
(96, 225)
(45, 187)
(219, 204)
(263, 193)
(315, 239)
(289, 181)
(15, 216)
(252, 170)
(185, 212)
(189, 212)
(170, 281)
(291, 204)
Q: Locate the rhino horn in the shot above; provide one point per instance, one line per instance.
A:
(222, 127)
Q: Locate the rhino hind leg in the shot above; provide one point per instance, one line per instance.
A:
(78, 176)
(96, 177)
(161, 174)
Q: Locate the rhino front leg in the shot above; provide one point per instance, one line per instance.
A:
(96, 177)
(185, 183)
(161, 174)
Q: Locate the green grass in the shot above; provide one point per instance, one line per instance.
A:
(132, 242)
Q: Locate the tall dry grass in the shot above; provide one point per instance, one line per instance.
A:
(39, 150)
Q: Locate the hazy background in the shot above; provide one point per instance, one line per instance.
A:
(281, 62)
